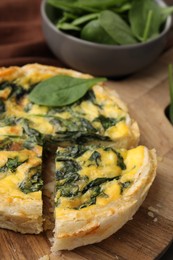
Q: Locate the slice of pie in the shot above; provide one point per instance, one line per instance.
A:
(20, 186)
(98, 189)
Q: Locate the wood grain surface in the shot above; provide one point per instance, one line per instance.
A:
(151, 230)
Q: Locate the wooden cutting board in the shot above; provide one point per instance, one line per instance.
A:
(151, 230)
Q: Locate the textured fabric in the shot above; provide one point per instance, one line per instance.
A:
(21, 37)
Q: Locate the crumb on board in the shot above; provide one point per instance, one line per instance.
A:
(155, 219)
(151, 214)
(45, 257)
(153, 209)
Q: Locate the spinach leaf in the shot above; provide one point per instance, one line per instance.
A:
(145, 15)
(120, 159)
(96, 157)
(68, 26)
(94, 32)
(2, 106)
(34, 136)
(72, 6)
(95, 192)
(107, 122)
(85, 18)
(101, 4)
(72, 152)
(76, 6)
(66, 17)
(4, 85)
(69, 190)
(5, 144)
(69, 167)
(65, 177)
(10, 85)
(98, 182)
(116, 28)
(165, 12)
(72, 124)
(33, 183)
(122, 8)
(87, 203)
(19, 93)
(76, 137)
(61, 90)
(11, 165)
(170, 73)
(124, 185)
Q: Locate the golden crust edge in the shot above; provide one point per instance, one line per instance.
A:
(24, 216)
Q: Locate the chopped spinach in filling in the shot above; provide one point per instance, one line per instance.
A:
(11, 165)
(107, 122)
(79, 124)
(32, 181)
(70, 184)
(2, 106)
(6, 143)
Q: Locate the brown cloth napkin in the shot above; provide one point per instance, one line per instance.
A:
(21, 37)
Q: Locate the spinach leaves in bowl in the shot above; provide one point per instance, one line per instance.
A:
(113, 22)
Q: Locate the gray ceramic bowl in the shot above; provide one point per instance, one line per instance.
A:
(100, 59)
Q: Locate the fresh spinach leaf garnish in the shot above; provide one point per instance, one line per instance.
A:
(63, 90)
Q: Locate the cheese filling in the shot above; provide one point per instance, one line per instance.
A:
(94, 175)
